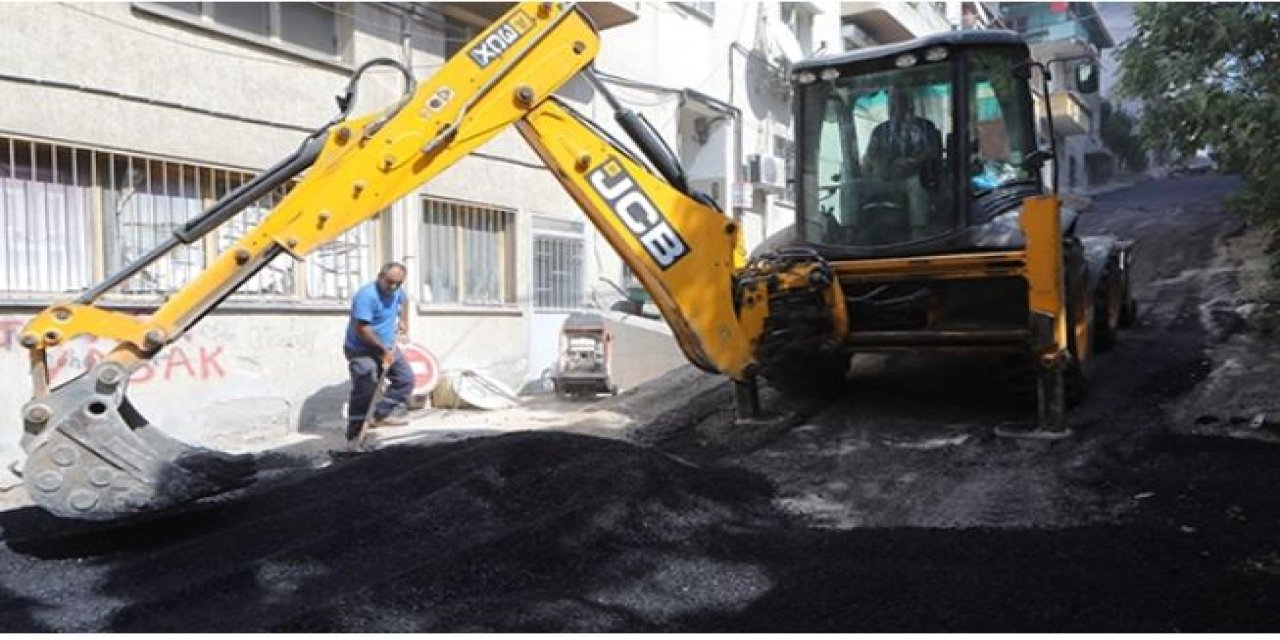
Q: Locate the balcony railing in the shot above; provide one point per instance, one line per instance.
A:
(894, 21)
(1070, 115)
(1054, 32)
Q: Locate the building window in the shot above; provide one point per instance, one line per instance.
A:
(704, 9)
(558, 247)
(311, 26)
(456, 34)
(468, 254)
(46, 200)
(449, 22)
(278, 277)
(785, 148)
(336, 270)
(800, 21)
(250, 17)
(69, 216)
(145, 201)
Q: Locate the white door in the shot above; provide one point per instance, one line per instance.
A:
(559, 247)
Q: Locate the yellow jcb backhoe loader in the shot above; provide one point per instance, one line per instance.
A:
(92, 455)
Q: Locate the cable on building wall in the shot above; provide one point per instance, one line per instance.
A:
(184, 43)
(109, 93)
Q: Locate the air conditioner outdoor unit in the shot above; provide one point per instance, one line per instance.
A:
(768, 173)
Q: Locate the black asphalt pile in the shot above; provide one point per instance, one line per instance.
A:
(669, 404)
(521, 532)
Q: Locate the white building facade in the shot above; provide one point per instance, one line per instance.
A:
(138, 116)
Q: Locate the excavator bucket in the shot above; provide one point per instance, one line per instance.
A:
(92, 456)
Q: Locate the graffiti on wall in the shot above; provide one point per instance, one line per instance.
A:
(9, 328)
(188, 358)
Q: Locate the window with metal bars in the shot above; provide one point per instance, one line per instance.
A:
(69, 216)
(309, 26)
(46, 218)
(468, 254)
(558, 266)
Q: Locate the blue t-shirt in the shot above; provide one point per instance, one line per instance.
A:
(381, 312)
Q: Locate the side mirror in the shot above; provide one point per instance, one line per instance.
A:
(1036, 159)
(1087, 78)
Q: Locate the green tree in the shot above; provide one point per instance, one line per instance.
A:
(1119, 132)
(1209, 75)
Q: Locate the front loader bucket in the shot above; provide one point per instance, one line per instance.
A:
(92, 456)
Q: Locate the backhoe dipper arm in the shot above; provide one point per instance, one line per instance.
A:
(684, 252)
(91, 454)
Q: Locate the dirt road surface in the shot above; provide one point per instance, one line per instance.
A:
(892, 509)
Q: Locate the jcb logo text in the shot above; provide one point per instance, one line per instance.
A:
(637, 212)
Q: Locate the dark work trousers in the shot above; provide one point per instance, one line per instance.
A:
(365, 371)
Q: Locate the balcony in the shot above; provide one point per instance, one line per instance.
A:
(1071, 117)
(894, 21)
(1059, 31)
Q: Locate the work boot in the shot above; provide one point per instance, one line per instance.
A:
(388, 421)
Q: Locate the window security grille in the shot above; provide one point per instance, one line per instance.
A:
(557, 272)
(70, 215)
(46, 217)
(467, 254)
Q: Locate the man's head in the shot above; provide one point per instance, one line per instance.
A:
(390, 277)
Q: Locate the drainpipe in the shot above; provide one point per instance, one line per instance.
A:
(403, 231)
(739, 158)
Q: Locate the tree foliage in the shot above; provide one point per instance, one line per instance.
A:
(1209, 75)
(1119, 132)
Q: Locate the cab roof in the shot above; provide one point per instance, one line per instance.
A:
(946, 38)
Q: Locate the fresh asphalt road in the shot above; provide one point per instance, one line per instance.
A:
(892, 509)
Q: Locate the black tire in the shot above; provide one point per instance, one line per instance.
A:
(1075, 378)
(1129, 315)
(1075, 383)
(1109, 303)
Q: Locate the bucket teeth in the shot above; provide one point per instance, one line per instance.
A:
(100, 460)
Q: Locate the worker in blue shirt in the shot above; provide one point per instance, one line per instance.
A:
(379, 315)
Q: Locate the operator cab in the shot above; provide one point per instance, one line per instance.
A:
(911, 148)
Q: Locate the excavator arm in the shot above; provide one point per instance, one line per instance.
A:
(91, 455)
(685, 252)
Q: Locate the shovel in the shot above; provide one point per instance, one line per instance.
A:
(380, 389)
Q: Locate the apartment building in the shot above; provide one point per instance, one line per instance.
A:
(1076, 32)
